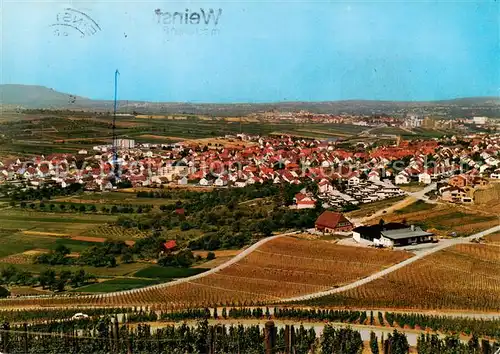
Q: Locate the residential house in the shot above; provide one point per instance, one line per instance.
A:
(458, 181)
(303, 201)
(402, 178)
(331, 222)
(425, 178)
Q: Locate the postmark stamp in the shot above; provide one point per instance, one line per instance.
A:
(72, 22)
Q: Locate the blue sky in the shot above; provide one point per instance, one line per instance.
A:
(260, 52)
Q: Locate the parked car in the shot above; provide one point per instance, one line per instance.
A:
(79, 316)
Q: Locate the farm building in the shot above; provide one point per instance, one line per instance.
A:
(330, 221)
(392, 234)
(403, 237)
(372, 232)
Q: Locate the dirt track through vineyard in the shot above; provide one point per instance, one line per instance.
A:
(267, 276)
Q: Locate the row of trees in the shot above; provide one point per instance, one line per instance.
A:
(83, 208)
(22, 193)
(47, 279)
(101, 255)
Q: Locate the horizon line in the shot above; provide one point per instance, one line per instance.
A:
(259, 102)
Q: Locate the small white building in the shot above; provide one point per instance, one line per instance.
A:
(402, 178)
(425, 178)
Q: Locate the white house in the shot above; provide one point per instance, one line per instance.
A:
(353, 181)
(324, 186)
(402, 178)
(205, 182)
(220, 182)
(240, 183)
(425, 178)
(183, 181)
(303, 201)
(495, 174)
(374, 176)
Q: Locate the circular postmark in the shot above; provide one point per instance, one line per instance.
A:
(72, 22)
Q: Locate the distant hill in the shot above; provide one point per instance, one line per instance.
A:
(29, 96)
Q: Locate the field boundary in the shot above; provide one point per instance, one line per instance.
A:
(370, 278)
(230, 262)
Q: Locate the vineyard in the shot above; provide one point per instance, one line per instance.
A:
(137, 330)
(444, 218)
(114, 232)
(493, 238)
(462, 277)
(283, 267)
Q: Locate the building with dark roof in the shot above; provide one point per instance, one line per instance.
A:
(392, 234)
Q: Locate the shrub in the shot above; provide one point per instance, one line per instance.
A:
(4, 292)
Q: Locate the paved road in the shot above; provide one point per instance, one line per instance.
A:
(233, 260)
(443, 245)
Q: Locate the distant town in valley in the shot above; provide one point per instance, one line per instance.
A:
(115, 219)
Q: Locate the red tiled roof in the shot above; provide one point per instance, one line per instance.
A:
(170, 244)
(330, 219)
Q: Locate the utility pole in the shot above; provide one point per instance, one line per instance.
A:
(115, 148)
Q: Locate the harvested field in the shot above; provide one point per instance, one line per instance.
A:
(41, 233)
(493, 238)
(283, 267)
(27, 290)
(89, 239)
(24, 257)
(464, 277)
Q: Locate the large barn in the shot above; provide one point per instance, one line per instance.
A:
(331, 222)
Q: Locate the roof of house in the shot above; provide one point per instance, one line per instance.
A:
(170, 244)
(331, 219)
(408, 232)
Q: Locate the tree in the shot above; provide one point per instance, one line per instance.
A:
(62, 249)
(397, 343)
(65, 275)
(82, 208)
(127, 256)
(111, 262)
(47, 278)
(4, 292)
(59, 285)
(77, 278)
(210, 256)
(373, 343)
(473, 345)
